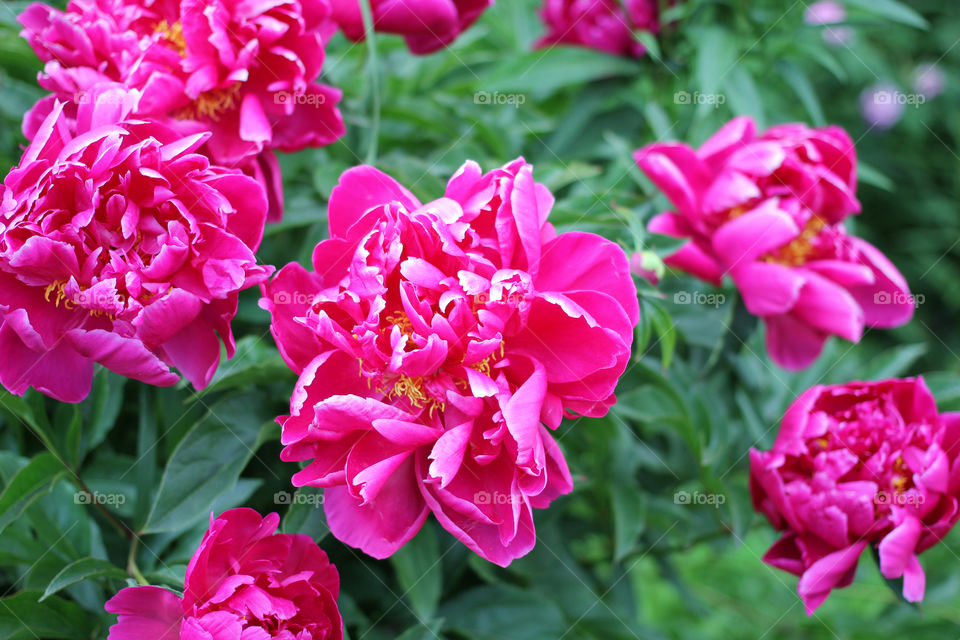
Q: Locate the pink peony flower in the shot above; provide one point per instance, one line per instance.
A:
(605, 25)
(245, 581)
(120, 245)
(243, 71)
(859, 465)
(427, 25)
(437, 346)
(768, 211)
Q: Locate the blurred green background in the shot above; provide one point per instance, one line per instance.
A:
(621, 557)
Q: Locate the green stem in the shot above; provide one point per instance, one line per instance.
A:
(132, 567)
(118, 524)
(374, 75)
(723, 532)
(40, 431)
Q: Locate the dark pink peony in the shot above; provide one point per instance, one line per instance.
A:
(768, 211)
(605, 25)
(427, 25)
(244, 71)
(244, 582)
(865, 464)
(438, 345)
(120, 245)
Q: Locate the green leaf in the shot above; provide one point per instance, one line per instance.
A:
(486, 612)
(801, 85)
(256, 362)
(207, 462)
(419, 572)
(146, 466)
(306, 512)
(666, 332)
(716, 58)
(32, 481)
(743, 95)
(543, 73)
(427, 631)
(873, 177)
(891, 9)
(107, 399)
(895, 362)
(83, 569)
(22, 617)
(628, 517)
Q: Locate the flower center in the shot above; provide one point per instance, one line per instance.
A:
(57, 294)
(400, 319)
(901, 481)
(485, 366)
(801, 248)
(209, 104)
(172, 35)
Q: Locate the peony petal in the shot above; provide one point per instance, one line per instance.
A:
(145, 612)
(380, 528)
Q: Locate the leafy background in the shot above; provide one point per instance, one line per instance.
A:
(621, 557)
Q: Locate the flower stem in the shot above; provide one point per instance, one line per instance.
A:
(374, 75)
(132, 567)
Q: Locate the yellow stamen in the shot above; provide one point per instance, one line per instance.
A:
(412, 389)
(799, 250)
(400, 319)
(59, 288)
(172, 34)
(903, 475)
(485, 366)
(209, 104)
(900, 484)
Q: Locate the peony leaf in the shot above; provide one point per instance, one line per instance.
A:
(35, 479)
(83, 569)
(207, 462)
(22, 617)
